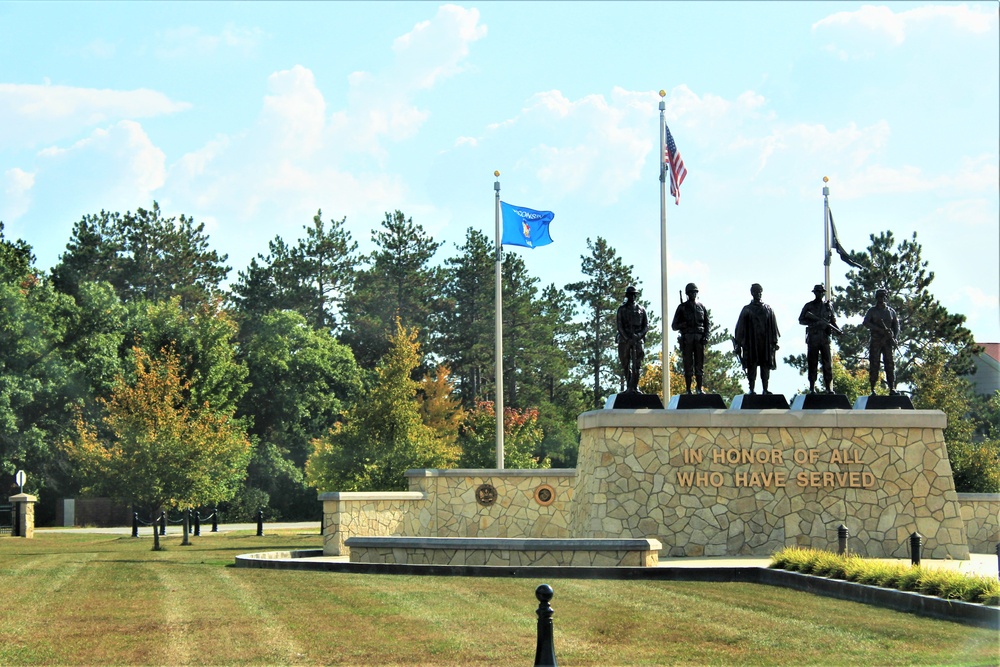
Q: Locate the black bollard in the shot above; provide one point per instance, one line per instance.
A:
(163, 523)
(916, 541)
(998, 560)
(260, 522)
(197, 523)
(843, 534)
(215, 520)
(545, 650)
(135, 524)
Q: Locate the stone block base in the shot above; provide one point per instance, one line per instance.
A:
(504, 551)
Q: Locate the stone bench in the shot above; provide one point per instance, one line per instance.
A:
(502, 551)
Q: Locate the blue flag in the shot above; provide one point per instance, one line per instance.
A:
(524, 226)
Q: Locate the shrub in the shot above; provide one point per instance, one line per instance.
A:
(948, 584)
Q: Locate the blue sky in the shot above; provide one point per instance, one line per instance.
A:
(251, 116)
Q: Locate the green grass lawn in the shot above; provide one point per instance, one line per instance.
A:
(104, 600)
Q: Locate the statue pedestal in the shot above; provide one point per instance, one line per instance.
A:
(735, 482)
(821, 402)
(759, 402)
(897, 402)
(633, 401)
(696, 402)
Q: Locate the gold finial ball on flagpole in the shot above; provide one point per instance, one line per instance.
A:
(826, 179)
(663, 93)
(497, 174)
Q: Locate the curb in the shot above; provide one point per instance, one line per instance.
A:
(966, 613)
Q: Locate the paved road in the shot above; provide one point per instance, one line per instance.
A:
(176, 529)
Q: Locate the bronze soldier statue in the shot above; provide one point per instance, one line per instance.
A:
(632, 328)
(756, 339)
(820, 322)
(883, 324)
(691, 319)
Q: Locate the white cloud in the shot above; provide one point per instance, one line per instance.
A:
(100, 48)
(16, 186)
(193, 42)
(118, 165)
(437, 48)
(31, 114)
(979, 299)
(974, 175)
(880, 24)
(381, 105)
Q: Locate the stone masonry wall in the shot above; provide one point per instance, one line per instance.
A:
(453, 510)
(370, 514)
(729, 482)
(443, 503)
(981, 514)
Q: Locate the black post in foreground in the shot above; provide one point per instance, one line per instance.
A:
(215, 519)
(197, 523)
(998, 560)
(843, 534)
(916, 541)
(260, 522)
(135, 524)
(545, 650)
(163, 523)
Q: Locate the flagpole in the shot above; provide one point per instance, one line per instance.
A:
(664, 357)
(498, 404)
(826, 238)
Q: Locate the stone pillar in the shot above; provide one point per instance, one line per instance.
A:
(24, 518)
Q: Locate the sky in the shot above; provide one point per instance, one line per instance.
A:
(251, 117)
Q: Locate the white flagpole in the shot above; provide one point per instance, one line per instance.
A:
(498, 404)
(826, 238)
(664, 320)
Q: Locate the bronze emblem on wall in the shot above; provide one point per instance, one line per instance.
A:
(486, 494)
(545, 495)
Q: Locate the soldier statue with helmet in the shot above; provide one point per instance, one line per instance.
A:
(691, 320)
(632, 327)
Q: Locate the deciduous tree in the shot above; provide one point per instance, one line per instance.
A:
(153, 447)
(382, 436)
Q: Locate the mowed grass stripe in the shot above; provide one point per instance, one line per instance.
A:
(394, 620)
(123, 604)
(268, 634)
(32, 591)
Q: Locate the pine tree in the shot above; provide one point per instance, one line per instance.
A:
(925, 325)
(599, 297)
(144, 256)
(399, 282)
(468, 316)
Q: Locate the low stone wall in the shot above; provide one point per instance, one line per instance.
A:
(453, 509)
(504, 551)
(356, 513)
(981, 514)
(731, 482)
(444, 503)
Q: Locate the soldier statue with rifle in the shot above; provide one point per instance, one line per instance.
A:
(883, 324)
(818, 318)
(632, 328)
(691, 319)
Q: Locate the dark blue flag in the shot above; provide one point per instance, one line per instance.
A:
(524, 226)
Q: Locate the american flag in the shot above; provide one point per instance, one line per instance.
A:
(675, 162)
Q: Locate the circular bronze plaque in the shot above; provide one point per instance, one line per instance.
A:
(545, 495)
(486, 494)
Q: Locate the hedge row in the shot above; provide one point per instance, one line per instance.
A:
(944, 583)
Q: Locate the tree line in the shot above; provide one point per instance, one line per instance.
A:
(322, 367)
